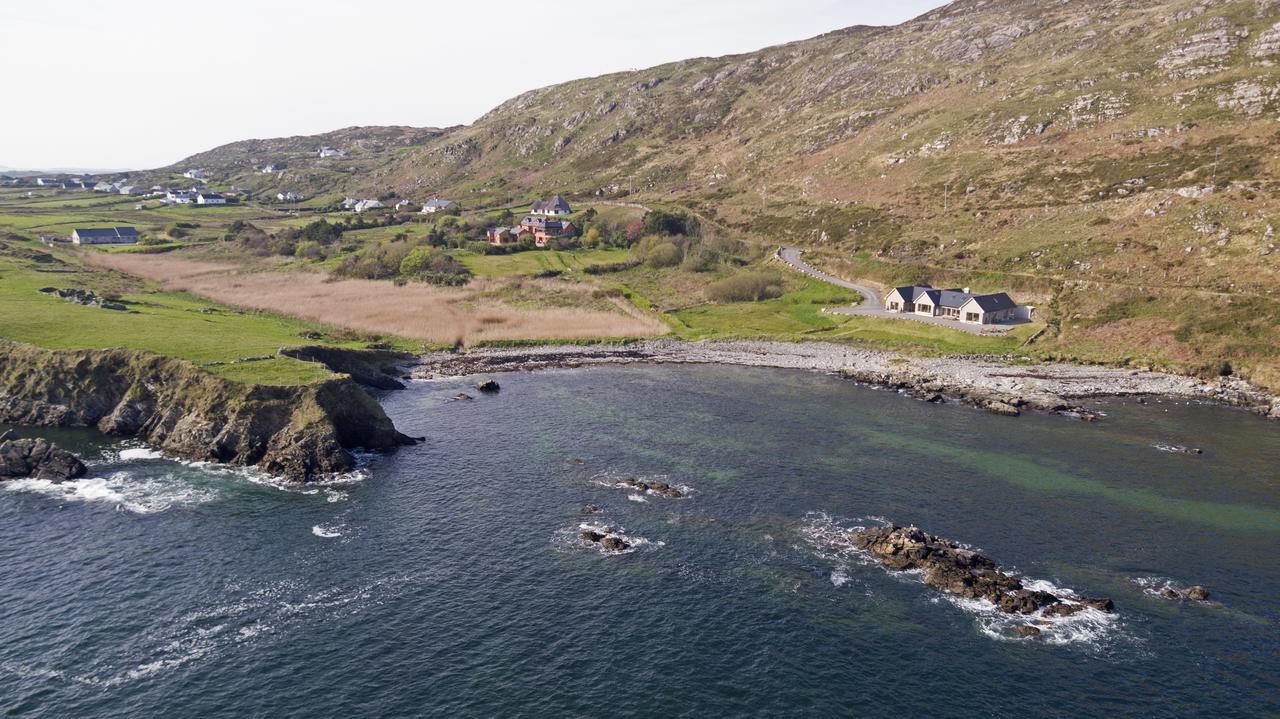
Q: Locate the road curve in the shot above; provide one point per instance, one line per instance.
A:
(791, 256)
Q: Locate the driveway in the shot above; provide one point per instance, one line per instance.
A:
(873, 306)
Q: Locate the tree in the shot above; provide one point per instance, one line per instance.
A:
(591, 238)
(634, 231)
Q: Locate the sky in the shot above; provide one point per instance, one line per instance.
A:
(139, 84)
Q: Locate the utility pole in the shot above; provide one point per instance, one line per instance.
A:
(1217, 154)
(946, 191)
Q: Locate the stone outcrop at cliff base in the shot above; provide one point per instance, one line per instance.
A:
(300, 432)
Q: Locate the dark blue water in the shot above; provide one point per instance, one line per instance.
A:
(450, 580)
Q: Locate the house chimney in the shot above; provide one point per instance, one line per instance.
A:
(966, 291)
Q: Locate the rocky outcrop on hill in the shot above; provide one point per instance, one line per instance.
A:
(300, 433)
(963, 572)
(378, 369)
(39, 459)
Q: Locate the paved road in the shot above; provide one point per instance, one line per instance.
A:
(873, 306)
(791, 256)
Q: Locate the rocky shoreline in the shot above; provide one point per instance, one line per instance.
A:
(999, 385)
(299, 433)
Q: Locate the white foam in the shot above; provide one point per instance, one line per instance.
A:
(637, 498)
(131, 454)
(840, 576)
(327, 531)
(140, 495)
(573, 539)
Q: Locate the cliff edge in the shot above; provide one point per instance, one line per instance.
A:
(300, 432)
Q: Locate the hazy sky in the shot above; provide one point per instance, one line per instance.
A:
(136, 84)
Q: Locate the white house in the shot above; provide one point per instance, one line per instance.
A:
(210, 198)
(47, 182)
(438, 205)
(194, 174)
(179, 197)
(960, 305)
(551, 208)
(363, 205)
(128, 189)
(272, 169)
(327, 151)
(104, 236)
(288, 197)
(104, 186)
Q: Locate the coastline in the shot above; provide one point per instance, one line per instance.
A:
(996, 384)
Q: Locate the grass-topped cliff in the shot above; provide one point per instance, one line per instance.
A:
(298, 432)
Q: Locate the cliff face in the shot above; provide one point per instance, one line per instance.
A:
(299, 433)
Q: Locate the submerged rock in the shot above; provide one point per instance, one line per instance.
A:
(37, 458)
(488, 386)
(608, 542)
(661, 489)
(963, 572)
(1194, 593)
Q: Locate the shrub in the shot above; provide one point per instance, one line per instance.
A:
(663, 255)
(431, 264)
(746, 287)
(661, 222)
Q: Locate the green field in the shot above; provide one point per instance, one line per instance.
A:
(168, 323)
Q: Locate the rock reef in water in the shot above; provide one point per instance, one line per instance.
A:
(37, 458)
(661, 489)
(963, 572)
(300, 432)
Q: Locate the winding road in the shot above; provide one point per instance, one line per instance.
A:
(791, 256)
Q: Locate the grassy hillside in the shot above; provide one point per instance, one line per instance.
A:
(1111, 161)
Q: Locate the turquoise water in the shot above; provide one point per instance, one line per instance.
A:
(448, 579)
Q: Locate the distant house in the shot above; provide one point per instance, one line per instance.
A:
(960, 305)
(438, 205)
(104, 236)
(542, 229)
(194, 174)
(210, 198)
(327, 151)
(129, 190)
(48, 182)
(104, 187)
(501, 235)
(179, 197)
(554, 207)
(403, 204)
(288, 197)
(271, 169)
(363, 205)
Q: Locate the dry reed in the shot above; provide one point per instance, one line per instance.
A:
(413, 311)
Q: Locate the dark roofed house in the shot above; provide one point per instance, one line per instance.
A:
(104, 236)
(551, 208)
(955, 304)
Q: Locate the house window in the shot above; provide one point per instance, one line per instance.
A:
(971, 317)
(893, 306)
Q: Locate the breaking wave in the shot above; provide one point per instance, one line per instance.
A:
(139, 495)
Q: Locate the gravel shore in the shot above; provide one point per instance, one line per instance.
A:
(996, 384)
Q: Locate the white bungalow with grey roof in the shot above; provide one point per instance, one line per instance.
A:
(104, 236)
(438, 205)
(327, 151)
(210, 198)
(960, 305)
(194, 174)
(554, 207)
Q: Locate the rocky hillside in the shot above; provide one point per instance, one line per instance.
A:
(366, 154)
(1111, 160)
